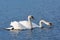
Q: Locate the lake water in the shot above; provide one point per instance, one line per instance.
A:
(11, 10)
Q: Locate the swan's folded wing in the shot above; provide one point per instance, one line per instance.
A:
(17, 25)
(21, 26)
(25, 24)
(34, 25)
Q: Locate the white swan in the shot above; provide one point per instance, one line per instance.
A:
(23, 25)
(27, 24)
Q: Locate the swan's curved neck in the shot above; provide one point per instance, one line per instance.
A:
(43, 21)
(30, 23)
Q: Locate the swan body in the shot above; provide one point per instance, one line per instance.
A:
(16, 25)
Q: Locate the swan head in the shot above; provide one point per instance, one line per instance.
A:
(49, 24)
(30, 17)
(45, 22)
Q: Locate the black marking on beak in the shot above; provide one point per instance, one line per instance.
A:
(50, 24)
(32, 17)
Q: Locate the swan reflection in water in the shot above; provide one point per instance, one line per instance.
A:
(20, 34)
(13, 34)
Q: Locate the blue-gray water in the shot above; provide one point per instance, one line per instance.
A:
(11, 10)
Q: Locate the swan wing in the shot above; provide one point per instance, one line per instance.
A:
(25, 24)
(34, 25)
(17, 25)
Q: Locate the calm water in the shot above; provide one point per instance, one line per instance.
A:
(11, 10)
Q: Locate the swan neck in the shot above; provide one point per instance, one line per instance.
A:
(30, 23)
(40, 23)
(43, 21)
